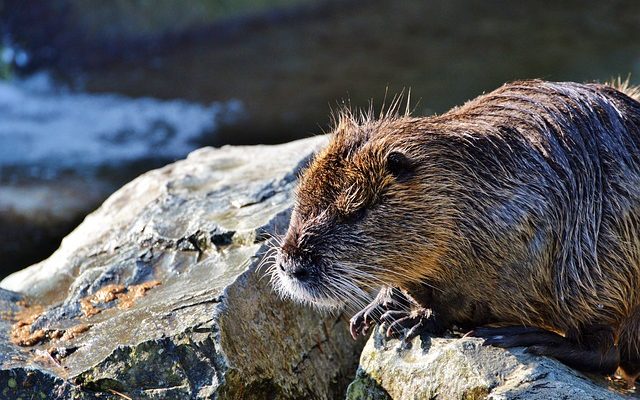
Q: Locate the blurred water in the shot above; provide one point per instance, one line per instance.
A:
(447, 51)
(45, 129)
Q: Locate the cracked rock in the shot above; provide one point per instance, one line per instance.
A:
(156, 296)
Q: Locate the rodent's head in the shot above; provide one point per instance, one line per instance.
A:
(369, 212)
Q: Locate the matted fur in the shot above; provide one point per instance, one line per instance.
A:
(523, 207)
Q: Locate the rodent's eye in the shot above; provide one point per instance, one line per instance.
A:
(355, 216)
(399, 165)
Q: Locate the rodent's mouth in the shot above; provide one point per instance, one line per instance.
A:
(323, 283)
(309, 291)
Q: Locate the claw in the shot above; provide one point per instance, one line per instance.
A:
(362, 321)
(354, 327)
(396, 328)
(365, 329)
(411, 323)
(393, 315)
(392, 306)
(414, 331)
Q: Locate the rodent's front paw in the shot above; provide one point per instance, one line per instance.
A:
(408, 324)
(361, 323)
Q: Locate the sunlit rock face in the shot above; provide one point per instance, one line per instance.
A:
(462, 368)
(156, 295)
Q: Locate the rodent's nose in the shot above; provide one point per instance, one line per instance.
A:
(300, 273)
(293, 269)
(296, 272)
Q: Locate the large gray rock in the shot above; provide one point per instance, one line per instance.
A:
(164, 276)
(453, 368)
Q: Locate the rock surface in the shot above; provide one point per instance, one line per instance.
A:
(36, 214)
(452, 368)
(155, 295)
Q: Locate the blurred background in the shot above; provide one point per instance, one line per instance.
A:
(93, 93)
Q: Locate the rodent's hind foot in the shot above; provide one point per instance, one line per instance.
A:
(592, 350)
(516, 336)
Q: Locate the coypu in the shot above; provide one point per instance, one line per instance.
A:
(515, 216)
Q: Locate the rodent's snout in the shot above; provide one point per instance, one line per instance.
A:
(301, 270)
(293, 260)
(294, 270)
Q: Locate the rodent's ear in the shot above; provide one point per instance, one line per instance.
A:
(399, 165)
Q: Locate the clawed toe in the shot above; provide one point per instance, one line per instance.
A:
(399, 314)
(356, 326)
(406, 324)
(398, 326)
(392, 316)
(387, 301)
(362, 322)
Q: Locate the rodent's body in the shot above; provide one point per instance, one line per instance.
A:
(519, 208)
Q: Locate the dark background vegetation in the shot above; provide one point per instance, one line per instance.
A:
(289, 61)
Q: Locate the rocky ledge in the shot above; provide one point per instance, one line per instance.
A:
(462, 368)
(156, 296)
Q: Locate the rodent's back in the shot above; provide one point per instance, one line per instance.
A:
(561, 166)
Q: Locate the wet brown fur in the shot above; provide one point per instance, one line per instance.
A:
(521, 207)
